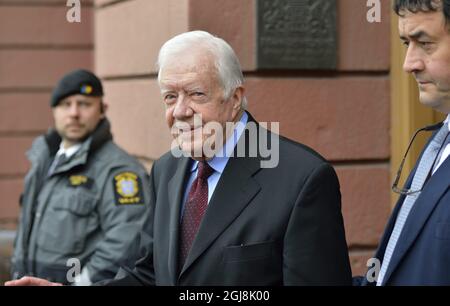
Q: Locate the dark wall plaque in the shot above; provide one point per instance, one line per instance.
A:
(296, 34)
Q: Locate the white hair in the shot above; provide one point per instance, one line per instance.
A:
(225, 60)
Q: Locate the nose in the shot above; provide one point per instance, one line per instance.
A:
(413, 62)
(182, 109)
(74, 110)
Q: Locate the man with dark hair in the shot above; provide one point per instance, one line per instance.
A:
(415, 248)
(415, 6)
(85, 199)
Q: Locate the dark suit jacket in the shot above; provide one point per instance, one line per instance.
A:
(422, 254)
(279, 226)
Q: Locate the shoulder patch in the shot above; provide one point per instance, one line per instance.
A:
(80, 180)
(128, 189)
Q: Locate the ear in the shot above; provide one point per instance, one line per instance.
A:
(236, 98)
(103, 108)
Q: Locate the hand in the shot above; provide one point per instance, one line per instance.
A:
(31, 281)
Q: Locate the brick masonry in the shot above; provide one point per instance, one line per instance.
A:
(343, 122)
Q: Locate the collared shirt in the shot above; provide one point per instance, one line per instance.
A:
(446, 150)
(70, 151)
(219, 161)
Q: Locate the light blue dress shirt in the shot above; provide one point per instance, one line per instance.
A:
(218, 163)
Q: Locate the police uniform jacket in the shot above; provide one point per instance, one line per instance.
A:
(88, 211)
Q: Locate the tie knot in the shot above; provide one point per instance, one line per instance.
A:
(204, 170)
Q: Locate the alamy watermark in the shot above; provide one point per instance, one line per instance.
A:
(374, 267)
(210, 139)
(374, 12)
(74, 13)
(74, 272)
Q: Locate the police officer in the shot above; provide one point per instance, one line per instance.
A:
(85, 199)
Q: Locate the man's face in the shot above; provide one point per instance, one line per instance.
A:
(191, 87)
(76, 117)
(427, 38)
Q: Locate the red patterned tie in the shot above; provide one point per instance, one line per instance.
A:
(194, 209)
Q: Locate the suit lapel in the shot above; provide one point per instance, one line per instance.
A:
(421, 211)
(235, 189)
(175, 196)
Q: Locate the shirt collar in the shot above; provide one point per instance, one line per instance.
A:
(219, 162)
(69, 152)
(447, 121)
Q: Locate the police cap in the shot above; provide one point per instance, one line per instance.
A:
(77, 82)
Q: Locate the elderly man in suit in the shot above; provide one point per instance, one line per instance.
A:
(227, 215)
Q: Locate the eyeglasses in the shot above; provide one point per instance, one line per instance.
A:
(405, 191)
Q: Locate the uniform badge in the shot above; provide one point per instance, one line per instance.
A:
(86, 89)
(80, 180)
(128, 189)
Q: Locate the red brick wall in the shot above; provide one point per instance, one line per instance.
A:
(37, 46)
